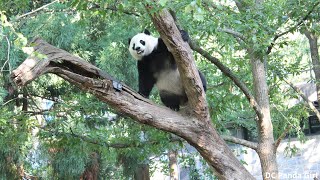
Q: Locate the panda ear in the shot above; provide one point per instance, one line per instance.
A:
(129, 40)
(147, 32)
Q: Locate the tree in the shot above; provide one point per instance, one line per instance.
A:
(198, 133)
(313, 42)
(252, 28)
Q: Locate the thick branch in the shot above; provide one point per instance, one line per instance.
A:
(122, 98)
(182, 53)
(233, 33)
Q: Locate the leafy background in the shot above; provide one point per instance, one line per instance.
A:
(78, 132)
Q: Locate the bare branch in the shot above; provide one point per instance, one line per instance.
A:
(40, 112)
(233, 33)
(8, 56)
(95, 6)
(36, 10)
(243, 142)
(43, 97)
(114, 8)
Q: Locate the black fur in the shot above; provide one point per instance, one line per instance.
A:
(158, 61)
(147, 32)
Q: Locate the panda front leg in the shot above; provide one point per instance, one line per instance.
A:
(170, 100)
(185, 35)
(146, 79)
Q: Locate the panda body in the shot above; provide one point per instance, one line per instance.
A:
(157, 67)
(174, 85)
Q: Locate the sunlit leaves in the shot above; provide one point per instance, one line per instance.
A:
(97, 30)
(162, 2)
(21, 41)
(4, 21)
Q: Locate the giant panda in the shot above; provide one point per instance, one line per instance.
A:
(156, 66)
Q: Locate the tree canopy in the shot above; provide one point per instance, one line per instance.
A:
(53, 129)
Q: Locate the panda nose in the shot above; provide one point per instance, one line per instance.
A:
(138, 48)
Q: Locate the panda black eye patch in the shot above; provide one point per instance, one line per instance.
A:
(142, 42)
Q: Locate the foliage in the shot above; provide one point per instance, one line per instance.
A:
(63, 126)
(15, 141)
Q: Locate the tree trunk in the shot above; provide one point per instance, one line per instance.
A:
(173, 164)
(266, 148)
(142, 172)
(92, 168)
(313, 42)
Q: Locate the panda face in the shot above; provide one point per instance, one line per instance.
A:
(142, 45)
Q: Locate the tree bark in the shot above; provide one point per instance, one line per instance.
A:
(182, 54)
(266, 145)
(142, 172)
(92, 169)
(266, 148)
(173, 165)
(313, 42)
(197, 132)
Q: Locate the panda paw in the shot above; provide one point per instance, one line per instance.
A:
(184, 35)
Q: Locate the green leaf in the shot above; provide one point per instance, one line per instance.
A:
(163, 2)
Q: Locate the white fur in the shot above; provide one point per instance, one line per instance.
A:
(170, 81)
(150, 44)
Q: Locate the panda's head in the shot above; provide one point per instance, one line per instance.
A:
(142, 44)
